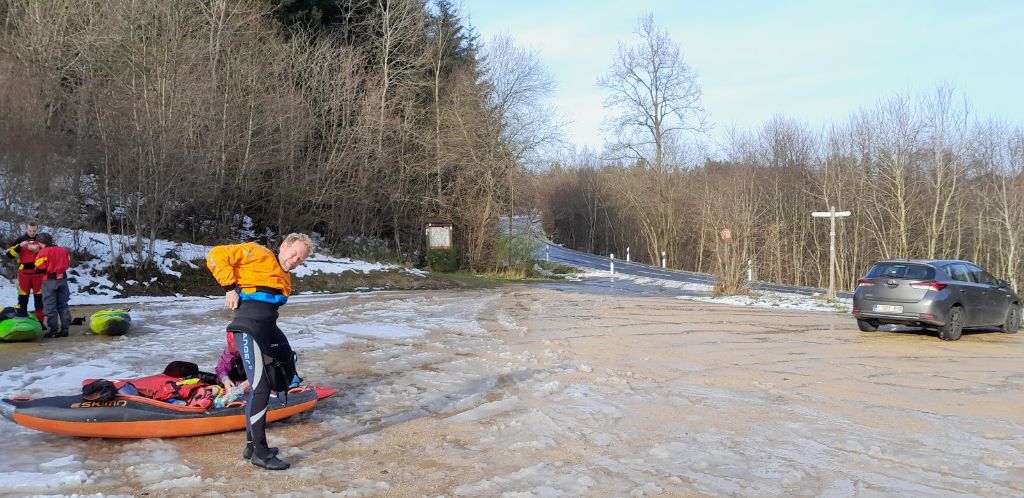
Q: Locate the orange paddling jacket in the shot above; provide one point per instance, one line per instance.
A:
(252, 269)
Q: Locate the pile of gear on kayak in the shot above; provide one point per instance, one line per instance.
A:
(181, 383)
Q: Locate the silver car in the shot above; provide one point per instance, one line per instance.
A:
(947, 295)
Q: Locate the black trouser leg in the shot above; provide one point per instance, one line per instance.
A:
(259, 394)
(22, 306)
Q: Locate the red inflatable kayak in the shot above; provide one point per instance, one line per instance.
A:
(136, 417)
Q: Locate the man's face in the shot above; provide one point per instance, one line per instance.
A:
(31, 231)
(292, 255)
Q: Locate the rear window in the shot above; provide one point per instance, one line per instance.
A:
(902, 270)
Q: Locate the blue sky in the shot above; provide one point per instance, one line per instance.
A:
(815, 61)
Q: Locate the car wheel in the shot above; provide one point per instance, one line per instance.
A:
(1012, 323)
(867, 325)
(954, 326)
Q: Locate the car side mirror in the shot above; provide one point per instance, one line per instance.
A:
(1002, 284)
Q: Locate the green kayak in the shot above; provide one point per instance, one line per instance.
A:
(20, 329)
(110, 322)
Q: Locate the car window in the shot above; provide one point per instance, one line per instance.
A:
(959, 272)
(981, 276)
(902, 271)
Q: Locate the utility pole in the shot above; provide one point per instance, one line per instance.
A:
(831, 214)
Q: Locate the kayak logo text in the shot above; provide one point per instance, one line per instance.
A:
(100, 404)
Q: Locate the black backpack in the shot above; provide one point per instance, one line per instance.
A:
(189, 370)
(281, 372)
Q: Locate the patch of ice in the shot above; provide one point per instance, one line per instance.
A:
(366, 487)
(65, 461)
(37, 482)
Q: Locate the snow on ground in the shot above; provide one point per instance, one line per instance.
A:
(537, 393)
(193, 329)
(780, 300)
(759, 299)
(90, 275)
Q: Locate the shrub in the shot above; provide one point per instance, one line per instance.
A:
(515, 252)
(442, 260)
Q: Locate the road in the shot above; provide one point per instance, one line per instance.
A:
(559, 254)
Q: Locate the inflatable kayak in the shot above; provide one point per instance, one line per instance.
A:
(110, 322)
(135, 417)
(20, 329)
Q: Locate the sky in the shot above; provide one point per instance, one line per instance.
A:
(813, 61)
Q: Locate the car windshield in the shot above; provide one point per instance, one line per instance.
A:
(902, 270)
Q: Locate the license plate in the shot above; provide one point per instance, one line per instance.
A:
(887, 308)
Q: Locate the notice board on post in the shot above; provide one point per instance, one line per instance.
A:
(439, 236)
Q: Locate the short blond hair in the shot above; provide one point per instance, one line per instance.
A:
(300, 237)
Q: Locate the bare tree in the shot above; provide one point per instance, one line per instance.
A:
(518, 86)
(946, 127)
(1000, 153)
(654, 95)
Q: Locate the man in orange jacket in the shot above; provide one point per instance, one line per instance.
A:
(256, 283)
(29, 282)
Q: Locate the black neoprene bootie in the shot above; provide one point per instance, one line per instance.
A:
(270, 463)
(247, 452)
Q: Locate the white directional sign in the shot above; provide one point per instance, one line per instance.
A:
(831, 214)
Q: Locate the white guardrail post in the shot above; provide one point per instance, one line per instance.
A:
(611, 264)
(663, 259)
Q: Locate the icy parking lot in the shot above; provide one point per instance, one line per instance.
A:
(557, 391)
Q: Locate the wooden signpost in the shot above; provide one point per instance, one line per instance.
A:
(831, 214)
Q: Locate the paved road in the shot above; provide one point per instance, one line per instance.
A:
(578, 259)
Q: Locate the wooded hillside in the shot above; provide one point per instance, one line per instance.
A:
(200, 119)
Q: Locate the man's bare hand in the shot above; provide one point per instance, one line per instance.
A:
(231, 299)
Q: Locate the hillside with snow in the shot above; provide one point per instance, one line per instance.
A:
(90, 277)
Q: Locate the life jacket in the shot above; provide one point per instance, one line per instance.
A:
(55, 260)
(204, 396)
(26, 259)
